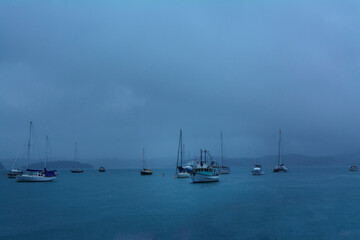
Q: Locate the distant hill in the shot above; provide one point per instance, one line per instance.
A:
(1, 166)
(61, 165)
(297, 160)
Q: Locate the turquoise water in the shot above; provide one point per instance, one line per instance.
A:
(307, 203)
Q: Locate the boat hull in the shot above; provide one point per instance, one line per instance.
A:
(280, 170)
(145, 173)
(224, 171)
(77, 171)
(183, 175)
(202, 178)
(257, 173)
(32, 178)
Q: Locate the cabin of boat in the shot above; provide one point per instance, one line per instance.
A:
(14, 172)
(353, 168)
(146, 171)
(101, 169)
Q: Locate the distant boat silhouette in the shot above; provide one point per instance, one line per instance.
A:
(101, 169)
(280, 167)
(223, 169)
(180, 170)
(145, 171)
(353, 168)
(76, 159)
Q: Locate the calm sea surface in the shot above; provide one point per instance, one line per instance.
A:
(306, 203)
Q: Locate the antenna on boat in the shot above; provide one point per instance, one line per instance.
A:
(29, 144)
(201, 151)
(205, 151)
(279, 156)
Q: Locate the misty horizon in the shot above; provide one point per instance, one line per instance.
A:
(116, 78)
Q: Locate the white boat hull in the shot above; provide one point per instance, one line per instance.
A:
(183, 175)
(34, 178)
(202, 178)
(223, 171)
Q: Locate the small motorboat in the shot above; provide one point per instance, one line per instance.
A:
(101, 169)
(78, 170)
(257, 170)
(353, 168)
(14, 172)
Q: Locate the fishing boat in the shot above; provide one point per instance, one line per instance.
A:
(36, 175)
(145, 171)
(181, 172)
(223, 169)
(257, 170)
(76, 160)
(203, 173)
(280, 167)
(101, 169)
(353, 168)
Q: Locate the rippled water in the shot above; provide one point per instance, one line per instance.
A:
(306, 203)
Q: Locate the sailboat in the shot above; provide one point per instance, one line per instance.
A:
(280, 167)
(76, 159)
(257, 170)
(223, 169)
(14, 171)
(35, 175)
(145, 171)
(180, 170)
(203, 172)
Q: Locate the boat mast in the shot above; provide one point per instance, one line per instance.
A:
(181, 154)
(143, 160)
(180, 142)
(47, 150)
(221, 149)
(28, 153)
(205, 151)
(75, 154)
(201, 151)
(279, 156)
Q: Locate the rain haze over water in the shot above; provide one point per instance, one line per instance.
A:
(119, 76)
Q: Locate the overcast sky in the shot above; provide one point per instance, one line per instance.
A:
(118, 76)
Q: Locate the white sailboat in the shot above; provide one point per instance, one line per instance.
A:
(35, 175)
(203, 173)
(181, 172)
(223, 169)
(280, 167)
(76, 159)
